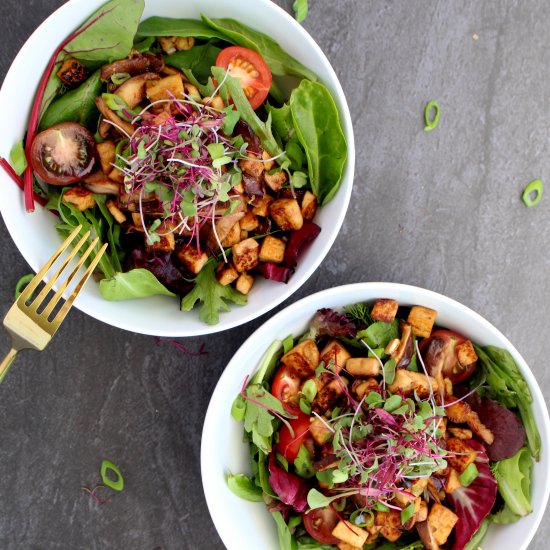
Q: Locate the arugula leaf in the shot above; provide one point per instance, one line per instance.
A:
(286, 540)
(211, 295)
(136, 283)
(244, 487)
(317, 125)
(18, 160)
(300, 8)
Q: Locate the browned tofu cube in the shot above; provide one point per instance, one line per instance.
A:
(460, 433)
(349, 533)
(309, 206)
(106, 152)
(384, 310)
(422, 320)
(418, 486)
(165, 88)
(328, 395)
(252, 166)
(215, 102)
(389, 523)
(269, 163)
(422, 513)
(287, 214)
(362, 387)
(260, 206)
(276, 180)
(246, 255)
(272, 250)
(80, 198)
(116, 175)
(167, 242)
(408, 382)
(346, 546)
(115, 211)
(132, 91)
(453, 480)
(233, 236)
(249, 221)
(459, 454)
(466, 353)
(302, 359)
(137, 221)
(244, 283)
(226, 274)
(442, 521)
(191, 258)
(336, 354)
(319, 430)
(363, 366)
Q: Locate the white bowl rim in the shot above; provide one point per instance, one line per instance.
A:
(212, 480)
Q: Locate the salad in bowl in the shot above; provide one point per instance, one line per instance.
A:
(392, 420)
(208, 157)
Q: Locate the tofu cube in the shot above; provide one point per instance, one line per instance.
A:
(390, 524)
(106, 152)
(327, 395)
(81, 198)
(459, 454)
(246, 255)
(115, 211)
(466, 353)
(409, 381)
(442, 521)
(252, 166)
(233, 236)
(346, 546)
(363, 387)
(422, 320)
(226, 274)
(191, 258)
(349, 533)
(302, 359)
(363, 366)
(272, 250)
(453, 480)
(167, 242)
(249, 221)
(384, 310)
(260, 206)
(309, 206)
(460, 433)
(422, 513)
(276, 180)
(287, 214)
(269, 163)
(165, 88)
(244, 283)
(336, 354)
(116, 175)
(319, 431)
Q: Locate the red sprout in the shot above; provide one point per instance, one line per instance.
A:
(181, 347)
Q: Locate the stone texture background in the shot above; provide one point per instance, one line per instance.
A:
(440, 210)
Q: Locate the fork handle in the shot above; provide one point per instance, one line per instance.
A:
(6, 363)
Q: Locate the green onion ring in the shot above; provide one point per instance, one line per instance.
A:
(118, 483)
(430, 123)
(22, 283)
(536, 186)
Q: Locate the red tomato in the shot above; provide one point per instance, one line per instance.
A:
(289, 444)
(320, 522)
(440, 349)
(285, 388)
(253, 72)
(63, 154)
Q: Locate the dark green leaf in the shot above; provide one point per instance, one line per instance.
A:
(168, 26)
(303, 463)
(18, 160)
(199, 59)
(379, 334)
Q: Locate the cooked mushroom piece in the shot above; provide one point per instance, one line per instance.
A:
(133, 90)
(136, 64)
(121, 125)
(99, 183)
(404, 352)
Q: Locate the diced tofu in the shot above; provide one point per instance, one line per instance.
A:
(408, 382)
(390, 524)
(319, 431)
(275, 181)
(272, 250)
(349, 533)
(215, 102)
(442, 521)
(460, 433)
(116, 175)
(363, 366)
(106, 152)
(244, 283)
(422, 320)
(233, 236)
(418, 486)
(137, 221)
(99, 183)
(171, 44)
(336, 354)
(252, 166)
(384, 310)
(167, 242)
(287, 214)
(309, 206)
(245, 255)
(260, 206)
(191, 258)
(249, 221)
(422, 513)
(226, 274)
(346, 546)
(453, 480)
(166, 88)
(115, 211)
(327, 395)
(459, 454)
(363, 387)
(268, 162)
(81, 198)
(302, 359)
(460, 412)
(133, 90)
(466, 353)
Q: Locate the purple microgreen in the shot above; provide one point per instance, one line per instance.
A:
(181, 347)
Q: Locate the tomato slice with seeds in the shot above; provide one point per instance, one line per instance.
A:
(320, 522)
(250, 68)
(63, 154)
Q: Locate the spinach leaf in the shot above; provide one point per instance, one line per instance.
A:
(279, 62)
(300, 8)
(206, 90)
(379, 334)
(244, 487)
(78, 105)
(144, 45)
(282, 121)
(318, 128)
(167, 26)
(18, 160)
(199, 59)
(136, 283)
(286, 540)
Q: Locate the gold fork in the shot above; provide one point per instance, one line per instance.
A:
(28, 320)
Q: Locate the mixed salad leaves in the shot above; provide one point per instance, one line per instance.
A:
(198, 149)
(377, 430)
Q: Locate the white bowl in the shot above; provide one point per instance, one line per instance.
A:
(34, 234)
(244, 525)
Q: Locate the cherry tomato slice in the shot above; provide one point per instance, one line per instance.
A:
(320, 522)
(289, 444)
(63, 154)
(253, 72)
(285, 388)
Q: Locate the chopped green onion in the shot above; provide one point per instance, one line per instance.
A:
(288, 342)
(339, 505)
(532, 193)
(22, 283)
(309, 390)
(118, 483)
(238, 409)
(468, 475)
(431, 119)
(282, 461)
(407, 513)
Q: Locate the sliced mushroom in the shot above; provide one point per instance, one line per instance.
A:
(426, 536)
(119, 124)
(133, 90)
(99, 183)
(137, 64)
(404, 352)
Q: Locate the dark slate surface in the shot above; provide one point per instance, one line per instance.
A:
(438, 210)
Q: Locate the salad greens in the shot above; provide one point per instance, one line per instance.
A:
(300, 8)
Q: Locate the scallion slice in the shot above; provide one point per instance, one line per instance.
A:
(532, 193)
(118, 483)
(431, 115)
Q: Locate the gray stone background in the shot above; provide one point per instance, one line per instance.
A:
(440, 210)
